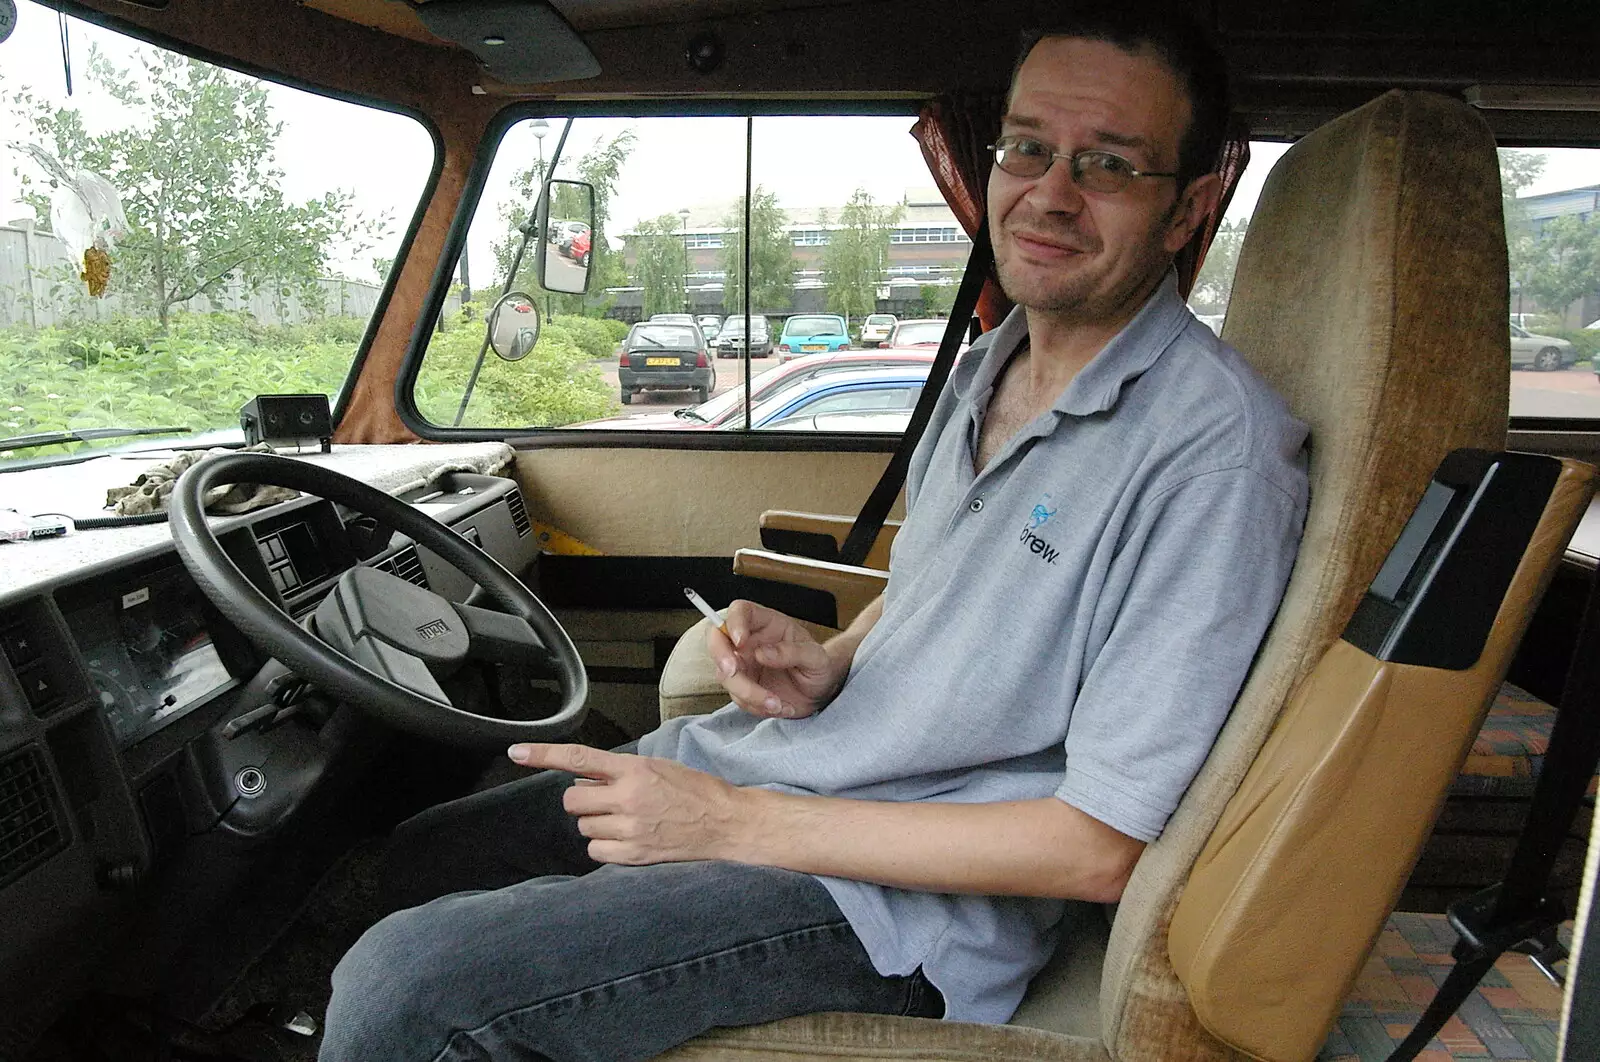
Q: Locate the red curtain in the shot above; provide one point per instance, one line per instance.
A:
(955, 132)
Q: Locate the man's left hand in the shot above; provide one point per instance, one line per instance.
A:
(640, 809)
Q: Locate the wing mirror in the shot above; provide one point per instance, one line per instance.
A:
(565, 237)
(514, 325)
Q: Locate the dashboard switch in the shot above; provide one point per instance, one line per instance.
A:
(19, 646)
(40, 686)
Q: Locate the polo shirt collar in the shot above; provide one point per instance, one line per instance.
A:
(1098, 384)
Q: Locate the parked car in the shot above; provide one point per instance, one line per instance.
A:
(1542, 352)
(814, 403)
(730, 340)
(876, 328)
(665, 356)
(559, 231)
(576, 248)
(710, 326)
(812, 333)
(727, 409)
(923, 334)
(569, 231)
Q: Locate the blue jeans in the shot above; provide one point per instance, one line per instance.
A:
(551, 956)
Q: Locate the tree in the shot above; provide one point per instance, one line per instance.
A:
(1213, 287)
(858, 246)
(601, 167)
(1518, 170)
(771, 255)
(660, 262)
(937, 299)
(195, 171)
(1566, 262)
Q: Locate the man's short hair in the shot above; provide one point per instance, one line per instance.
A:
(1179, 41)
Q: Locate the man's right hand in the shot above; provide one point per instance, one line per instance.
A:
(771, 665)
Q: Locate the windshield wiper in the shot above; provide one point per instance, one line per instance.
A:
(686, 413)
(54, 438)
(649, 339)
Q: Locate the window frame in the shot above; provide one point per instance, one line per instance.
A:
(529, 437)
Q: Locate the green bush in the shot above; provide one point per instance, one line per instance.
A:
(590, 334)
(552, 386)
(619, 329)
(108, 374)
(1586, 341)
(124, 372)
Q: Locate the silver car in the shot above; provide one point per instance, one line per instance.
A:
(1544, 353)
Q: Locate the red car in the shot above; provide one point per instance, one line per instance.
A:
(728, 407)
(578, 249)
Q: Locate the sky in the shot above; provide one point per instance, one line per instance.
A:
(384, 159)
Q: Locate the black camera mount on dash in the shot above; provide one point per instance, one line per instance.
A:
(286, 419)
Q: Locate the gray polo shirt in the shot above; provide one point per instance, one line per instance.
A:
(1072, 622)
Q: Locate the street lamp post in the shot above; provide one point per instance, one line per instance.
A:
(683, 213)
(540, 128)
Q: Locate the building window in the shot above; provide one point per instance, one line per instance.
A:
(928, 234)
(810, 237)
(703, 239)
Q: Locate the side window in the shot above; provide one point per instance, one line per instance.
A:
(179, 237)
(1551, 198)
(834, 236)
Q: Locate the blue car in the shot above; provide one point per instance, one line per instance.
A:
(876, 399)
(812, 333)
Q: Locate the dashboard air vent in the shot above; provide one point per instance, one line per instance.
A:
(30, 826)
(407, 566)
(519, 513)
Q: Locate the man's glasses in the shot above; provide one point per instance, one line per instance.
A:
(1094, 170)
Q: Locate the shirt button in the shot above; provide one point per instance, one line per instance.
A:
(977, 505)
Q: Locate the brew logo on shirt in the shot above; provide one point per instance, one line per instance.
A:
(1042, 512)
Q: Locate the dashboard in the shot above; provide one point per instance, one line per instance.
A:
(148, 749)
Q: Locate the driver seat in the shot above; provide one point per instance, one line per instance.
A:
(1371, 292)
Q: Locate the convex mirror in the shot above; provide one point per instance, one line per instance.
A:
(565, 237)
(514, 325)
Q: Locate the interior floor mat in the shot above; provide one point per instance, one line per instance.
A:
(293, 974)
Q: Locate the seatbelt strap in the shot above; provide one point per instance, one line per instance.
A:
(864, 532)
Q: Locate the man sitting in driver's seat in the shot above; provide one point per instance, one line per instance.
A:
(1101, 519)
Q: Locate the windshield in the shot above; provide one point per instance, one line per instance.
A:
(814, 326)
(735, 326)
(921, 332)
(179, 238)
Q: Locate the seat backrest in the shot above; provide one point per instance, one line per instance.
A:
(1371, 292)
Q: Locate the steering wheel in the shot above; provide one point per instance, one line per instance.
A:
(380, 640)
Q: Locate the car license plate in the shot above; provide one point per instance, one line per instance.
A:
(810, 347)
(661, 361)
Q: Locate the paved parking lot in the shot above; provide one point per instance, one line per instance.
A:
(730, 373)
(1568, 393)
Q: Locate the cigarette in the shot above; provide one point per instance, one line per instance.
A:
(705, 610)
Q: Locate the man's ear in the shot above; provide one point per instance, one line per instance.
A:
(1191, 210)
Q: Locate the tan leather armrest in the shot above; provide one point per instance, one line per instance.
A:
(837, 528)
(852, 588)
